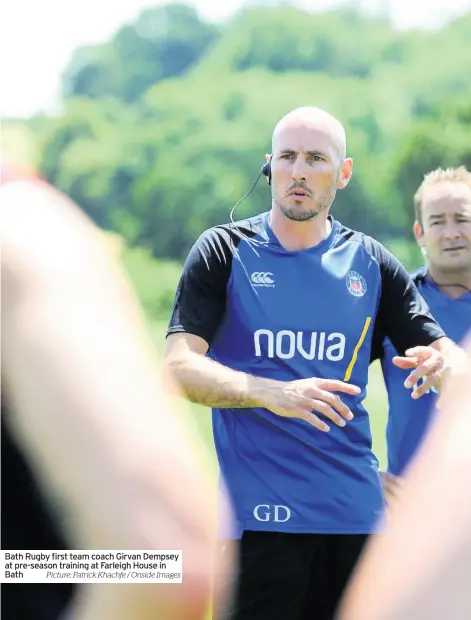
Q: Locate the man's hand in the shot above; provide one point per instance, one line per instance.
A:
(298, 399)
(428, 364)
(392, 486)
(442, 360)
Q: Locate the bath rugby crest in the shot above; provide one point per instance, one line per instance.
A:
(356, 284)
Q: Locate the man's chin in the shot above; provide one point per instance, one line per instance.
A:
(299, 212)
(297, 215)
(458, 265)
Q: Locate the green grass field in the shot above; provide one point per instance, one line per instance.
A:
(375, 403)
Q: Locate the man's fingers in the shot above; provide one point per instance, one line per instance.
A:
(391, 485)
(336, 403)
(325, 403)
(420, 352)
(333, 385)
(311, 419)
(325, 409)
(314, 404)
(430, 382)
(405, 362)
(389, 489)
(413, 357)
(424, 369)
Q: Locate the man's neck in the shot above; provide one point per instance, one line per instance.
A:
(451, 285)
(295, 236)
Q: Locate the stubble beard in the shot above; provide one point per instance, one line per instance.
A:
(298, 213)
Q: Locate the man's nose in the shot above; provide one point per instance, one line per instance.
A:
(299, 169)
(452, 230)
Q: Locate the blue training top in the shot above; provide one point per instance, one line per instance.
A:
(409, 419)
(292, 315)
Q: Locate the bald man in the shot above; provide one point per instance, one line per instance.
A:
(275, 321)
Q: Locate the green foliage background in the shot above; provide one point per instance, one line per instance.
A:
(165, 126)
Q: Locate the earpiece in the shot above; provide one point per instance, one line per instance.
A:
(266, 170)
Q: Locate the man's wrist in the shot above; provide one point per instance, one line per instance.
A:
(261, 391)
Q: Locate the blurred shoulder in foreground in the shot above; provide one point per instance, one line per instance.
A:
(94, 454)
(420, 568)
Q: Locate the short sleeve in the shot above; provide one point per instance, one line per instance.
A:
(200, 299)
(403, 315)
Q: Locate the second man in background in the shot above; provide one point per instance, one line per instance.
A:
(442, 229)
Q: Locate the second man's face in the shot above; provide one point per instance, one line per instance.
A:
(446, 226)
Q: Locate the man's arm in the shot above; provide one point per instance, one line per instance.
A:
(200, 304)
(405, 318)
(403, 315)
(88, 410)
(207, 382)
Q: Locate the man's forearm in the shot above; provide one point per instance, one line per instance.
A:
(206, 382)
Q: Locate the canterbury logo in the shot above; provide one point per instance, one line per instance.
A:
(262, 278)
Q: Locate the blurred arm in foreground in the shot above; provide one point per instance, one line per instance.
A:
(86, 409)
(420, 568)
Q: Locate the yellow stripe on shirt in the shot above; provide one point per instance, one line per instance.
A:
(348, 374)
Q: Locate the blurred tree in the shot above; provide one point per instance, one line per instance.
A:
(441, 139)
(164, 42)
(207, 157)
(161, 169)
(281, 39)
(93, 153)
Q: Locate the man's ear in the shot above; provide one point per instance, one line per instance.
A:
(345, 173)
(418, 234)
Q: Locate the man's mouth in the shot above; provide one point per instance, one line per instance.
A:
(454, 249)
(299, 192)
